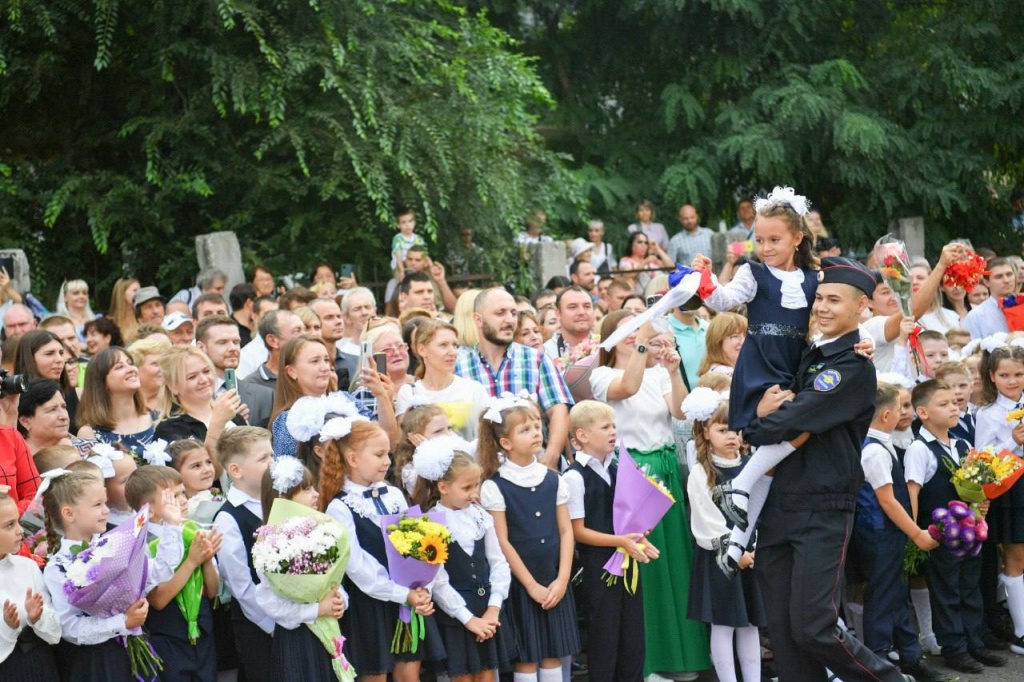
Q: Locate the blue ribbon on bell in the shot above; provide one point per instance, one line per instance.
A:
(674, 278)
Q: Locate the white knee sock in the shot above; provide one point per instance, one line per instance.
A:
(758, 494)
(524, 677)
(549, 674)
(764, 459)
(1014, 587)
(748, 651)
(566, 668)
(722, 653)
(923, 609)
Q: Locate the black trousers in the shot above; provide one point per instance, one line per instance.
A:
(887, 596)
(800, 566)
(615, 624)
(955, 593)
(253, 646)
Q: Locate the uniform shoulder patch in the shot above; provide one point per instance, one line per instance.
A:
(827, 380)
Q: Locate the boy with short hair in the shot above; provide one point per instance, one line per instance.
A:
(958, 377)
(935, 349)
(404, 240)
(883, 525)
(957, 338)
(245, 453)
(953, 582)
(186, 648)
(56, 457)
(615, 618)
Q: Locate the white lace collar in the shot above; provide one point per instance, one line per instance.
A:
(467, 525)
(530, 475)
(723, 463)
(793, 297)
(392, 497)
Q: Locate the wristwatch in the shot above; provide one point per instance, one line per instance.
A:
(641, 348)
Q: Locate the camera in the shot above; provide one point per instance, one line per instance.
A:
(13, 384)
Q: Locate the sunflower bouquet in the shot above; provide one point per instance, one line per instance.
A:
(985, 475)
(894, 265)
(417, 547)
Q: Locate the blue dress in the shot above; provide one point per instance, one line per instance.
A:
(776, 338)
(135, 443)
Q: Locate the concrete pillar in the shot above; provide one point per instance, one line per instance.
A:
(911, 231)
(221, 250)
(20, 278)
(547, 259)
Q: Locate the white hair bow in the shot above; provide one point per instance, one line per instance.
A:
(339, 427)
(994, 342)
(47, 478)
(784, 195)
(104, 455)
(155, 453)
(495, 406)
(306, 417)
(286, 472)
(701, 403)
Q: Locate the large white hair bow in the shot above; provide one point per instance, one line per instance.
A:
(155, 453)
(286, 472)
(47, 478)
(784, 195)
(433, 457)
(104, 455)
(495, 406)
(701, 403)
(306, 417)
(339, 427)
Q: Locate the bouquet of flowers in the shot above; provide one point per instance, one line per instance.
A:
(203, 506)
(302, 555)
(985, 475)
(640, 503)
(576, 366)
(417, 547)
(966, 272)
(104, 579)
(894, 265)
(959, 528)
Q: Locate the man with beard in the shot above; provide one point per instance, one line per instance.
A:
(575, 322)
(504, 366)
(218, 337)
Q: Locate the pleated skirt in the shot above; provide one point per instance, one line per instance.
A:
(298, 656)
(717, 600)
(31, 660)
(464, 655)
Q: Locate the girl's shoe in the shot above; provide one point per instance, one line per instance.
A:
(930, 645)
(722, 496)
(1017, 645)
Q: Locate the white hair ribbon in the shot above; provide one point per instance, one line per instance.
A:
(701, 403)
(784, 195)
(286, 472)
(339, 427)
(104, 455)
(495, 406)
(155, 453)
(47, 478)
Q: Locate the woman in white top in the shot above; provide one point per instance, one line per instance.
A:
(436, 344)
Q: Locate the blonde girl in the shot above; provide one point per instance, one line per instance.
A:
(528, 504)
(733, 608)
(354, 493)
(476, 576)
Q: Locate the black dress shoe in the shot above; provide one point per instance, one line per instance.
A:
(964, 663)
(921, 672)
(988, 658)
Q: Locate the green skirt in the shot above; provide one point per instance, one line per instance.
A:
(674, 642)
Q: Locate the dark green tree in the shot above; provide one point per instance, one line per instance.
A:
(877, 109)
(302, 125)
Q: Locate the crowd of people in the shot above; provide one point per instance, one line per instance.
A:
(799, 413)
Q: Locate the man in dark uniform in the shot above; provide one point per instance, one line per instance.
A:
(807, 519)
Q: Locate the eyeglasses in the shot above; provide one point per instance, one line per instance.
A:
(396, 349)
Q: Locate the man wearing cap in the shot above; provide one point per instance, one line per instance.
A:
(805, 525)
(180, 329)
(149, 305)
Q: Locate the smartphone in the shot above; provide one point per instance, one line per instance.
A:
(382, 362)
(230, 380)
(347, 269)
(365, 360)
(651, 300)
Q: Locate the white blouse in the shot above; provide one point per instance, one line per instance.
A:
(706, 520)
(991, 427)
(643, 419)
(742, 288)
(19, 574)
(524, 477)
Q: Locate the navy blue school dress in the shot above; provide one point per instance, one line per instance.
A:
(776, 339)
(714, 598)
(533, 531)
(168, 633)
(31, 660)
(469, 574)
(369, 624)
(298, 656)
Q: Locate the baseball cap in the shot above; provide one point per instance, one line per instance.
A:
(175, 320)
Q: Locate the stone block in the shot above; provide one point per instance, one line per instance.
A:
(547, 259)
(21, 277)
(221, 250)
(911, 231)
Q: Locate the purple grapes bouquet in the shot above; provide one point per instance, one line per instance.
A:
(959, 528)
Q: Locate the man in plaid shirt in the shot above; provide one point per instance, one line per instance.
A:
(501, 365)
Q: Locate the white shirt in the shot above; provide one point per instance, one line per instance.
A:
(289, 614)
(986, 319)
(876, 459)
(522, 476)
(253, 354)
(643, 419)
(942, 320)
(19, 574)
(577, 488)
(79, 628)
(233, 561)
(991, 427)
(919, 463)
(742, 288)
(468, 526)
(706, 521)
(884, 350)
(462, 400)
(364, 570)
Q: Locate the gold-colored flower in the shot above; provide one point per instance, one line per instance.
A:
(433, 550)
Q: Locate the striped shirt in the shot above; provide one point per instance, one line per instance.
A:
(522, 369)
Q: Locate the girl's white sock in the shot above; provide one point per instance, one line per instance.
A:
(748, 651)
(1014, 587)
(923, 609)
(721, 654)
(758, 494)
(549, 674)
(524, 677)
(764, 459)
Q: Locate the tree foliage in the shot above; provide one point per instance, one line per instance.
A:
(877, 109)
(299, 124)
